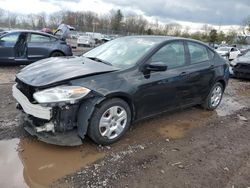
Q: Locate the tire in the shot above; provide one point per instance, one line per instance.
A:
(109, 121)
(56, 54)
(212, 102)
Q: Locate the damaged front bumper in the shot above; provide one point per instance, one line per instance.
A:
(54, 125)
(67, 138)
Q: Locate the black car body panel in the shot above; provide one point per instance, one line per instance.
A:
(242, 67)
(147, 93)
(25, 47)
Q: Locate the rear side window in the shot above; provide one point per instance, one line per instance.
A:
(198, 53)
(12, 37)
(173, 55)
(39, 38)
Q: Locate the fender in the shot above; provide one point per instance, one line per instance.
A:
(84, 114)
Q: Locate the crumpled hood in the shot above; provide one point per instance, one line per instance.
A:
(52, 70)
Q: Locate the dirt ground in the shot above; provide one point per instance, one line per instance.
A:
(188, 148)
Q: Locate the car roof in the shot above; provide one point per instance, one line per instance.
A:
(30, 31)
(166, 38)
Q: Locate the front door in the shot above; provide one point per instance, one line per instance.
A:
(159, 91)
(7, 47)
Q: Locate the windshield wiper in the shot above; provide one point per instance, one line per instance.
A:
(99, 60)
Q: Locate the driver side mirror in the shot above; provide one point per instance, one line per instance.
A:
(156, 67)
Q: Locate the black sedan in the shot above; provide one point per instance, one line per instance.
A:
(24, 47)
(122, 81)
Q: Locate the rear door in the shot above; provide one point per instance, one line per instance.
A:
(199, 74)
(39, 46)
(7, 44)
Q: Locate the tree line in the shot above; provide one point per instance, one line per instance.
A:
(115, 22)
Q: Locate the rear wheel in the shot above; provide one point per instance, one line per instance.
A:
(56, 54)
(110, 121)
(214, 98)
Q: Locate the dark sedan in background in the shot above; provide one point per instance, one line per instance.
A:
(122, 81)
(241, 65)
(24, 47)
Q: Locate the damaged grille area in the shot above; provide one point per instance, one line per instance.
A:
(27, 90)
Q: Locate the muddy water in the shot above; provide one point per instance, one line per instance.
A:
(29, 163)
(11, 168)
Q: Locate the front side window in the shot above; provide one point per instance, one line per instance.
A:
(198, 53)
(173, 55)
(12, 37)
(39, 38)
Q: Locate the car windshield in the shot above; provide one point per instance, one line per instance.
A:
(123, 52)
(224, 49)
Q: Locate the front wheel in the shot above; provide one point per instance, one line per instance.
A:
(214, 98)
(110, 121)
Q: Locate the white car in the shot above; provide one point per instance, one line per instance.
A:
(85, 41)
(229, 53)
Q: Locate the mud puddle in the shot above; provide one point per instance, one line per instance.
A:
(30, 163)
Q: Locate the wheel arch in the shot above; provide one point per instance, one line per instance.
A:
(57, 51)
(223, 82)
(125, 97)
(88, 107)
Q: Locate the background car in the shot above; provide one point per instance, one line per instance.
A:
(240, 67)
(85, 41)
(23, 47)
(229, 53)
(127, 79)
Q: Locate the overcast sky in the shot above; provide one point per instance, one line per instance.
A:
(214, 12)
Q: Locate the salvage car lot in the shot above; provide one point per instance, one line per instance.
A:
(191, 148)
